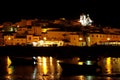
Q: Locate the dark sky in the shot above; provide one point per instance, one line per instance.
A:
(103, 12)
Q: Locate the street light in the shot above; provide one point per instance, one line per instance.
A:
(80, 38)
(108, 39)
(44, 38)
(9, 38)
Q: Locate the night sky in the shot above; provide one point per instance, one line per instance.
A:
(102, 12)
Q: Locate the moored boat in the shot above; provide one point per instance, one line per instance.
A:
(22, 60)
(88, 67)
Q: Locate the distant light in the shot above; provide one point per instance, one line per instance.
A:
(58, 61)
(80, 63)
(108, 39)
(11, 29)
(80, 38)
(88, 62)
(34, 57)
(44, 38)
(18, 26)
(34, 62)
(8, 61)
(85, 20)
(62, 18)
(34, 43)
(9, 38)
(44, 30)
(39, 57)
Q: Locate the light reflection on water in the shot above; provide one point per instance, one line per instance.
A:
(48, 68)
(110, 65)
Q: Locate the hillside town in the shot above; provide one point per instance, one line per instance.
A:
(58, 32)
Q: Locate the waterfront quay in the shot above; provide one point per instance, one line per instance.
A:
(62, 51)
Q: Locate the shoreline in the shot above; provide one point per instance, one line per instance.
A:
(60, 51)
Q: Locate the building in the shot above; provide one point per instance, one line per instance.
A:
(19, 40)
(46, 33)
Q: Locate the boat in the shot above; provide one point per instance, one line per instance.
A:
(22, 60)
(88, 67)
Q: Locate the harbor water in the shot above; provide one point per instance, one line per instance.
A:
(48, 68)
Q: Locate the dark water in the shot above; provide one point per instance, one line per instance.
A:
(48, 68)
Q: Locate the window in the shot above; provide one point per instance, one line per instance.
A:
(96, 35)
(29, 38)
(92, 35)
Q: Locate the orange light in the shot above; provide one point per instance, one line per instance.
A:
(9, 38)
(80, 38)
(108, 65)
(45, 65)
(108, 39)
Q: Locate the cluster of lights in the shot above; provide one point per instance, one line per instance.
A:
(85, 20)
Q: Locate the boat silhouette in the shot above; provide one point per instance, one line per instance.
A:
(88, 67)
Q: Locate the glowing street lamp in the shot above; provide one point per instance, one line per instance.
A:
(9, 38)
(45, 38)
(80, 39)
(108, 39)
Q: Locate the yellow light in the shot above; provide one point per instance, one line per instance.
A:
(9, 70)
(108, 39)
(8, 61)
(9, 38)
(44, 38)
(80, 38)
(80, 63)
(34, 43)
(108, 65)
(51, 59)
(44, 30)
(44, 65)
(58, 61)
(81, 77)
